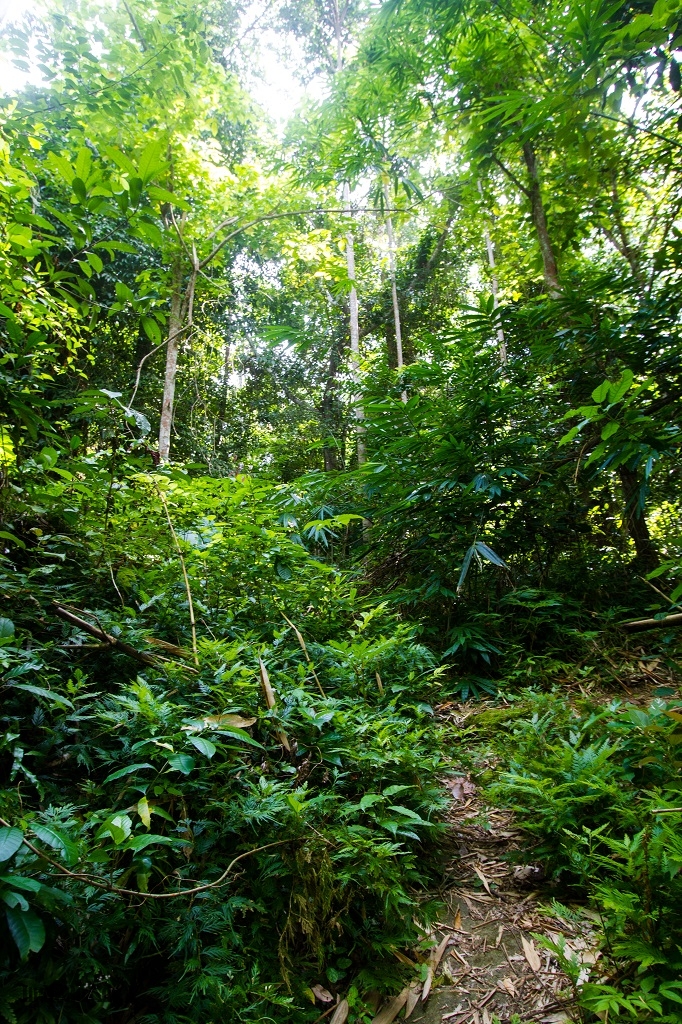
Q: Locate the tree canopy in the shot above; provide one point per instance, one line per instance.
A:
(308, 434)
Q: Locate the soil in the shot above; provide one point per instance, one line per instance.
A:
(487, 961)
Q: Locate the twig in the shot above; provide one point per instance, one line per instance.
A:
(301, 641)
(98, 884)
(641, 624)
(192, 620)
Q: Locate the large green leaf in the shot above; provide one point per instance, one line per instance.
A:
(10, 841)
(27, 930)
(58, 840)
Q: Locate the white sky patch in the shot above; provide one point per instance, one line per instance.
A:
(12, 79)
(272, 83)
(274, 86)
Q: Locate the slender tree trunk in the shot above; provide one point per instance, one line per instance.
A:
(328, 409)
(647, 555)
(391, 270)
(540, 221)
(501, 343)
(394, 287)
(358, 411)
(172, 349)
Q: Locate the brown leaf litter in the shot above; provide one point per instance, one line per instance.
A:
(485, 961)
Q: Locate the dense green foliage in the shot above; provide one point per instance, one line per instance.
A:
(414, 370)
(599, 791)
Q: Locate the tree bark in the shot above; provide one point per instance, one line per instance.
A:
(647, 555)
(394, 287)
(354, 318)
(172, 349)
(534, 194)
(327, 410)
(501, 343)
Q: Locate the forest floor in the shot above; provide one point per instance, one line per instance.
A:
(488, 960)
(492, 965)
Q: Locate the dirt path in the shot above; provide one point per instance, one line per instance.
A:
(485, 961)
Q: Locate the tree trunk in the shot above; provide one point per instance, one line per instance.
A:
(647, 555)
(172, 349)
(358, 411)
(501, 343)
(540, 221)
(394, 287)
(328, 410)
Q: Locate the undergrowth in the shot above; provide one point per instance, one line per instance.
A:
(298, 745)
(597, 789)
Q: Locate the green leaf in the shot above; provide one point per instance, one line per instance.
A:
(489, 554)
(95, 262)
(135, 191)
(204, 746)
(79, 189)
(57, 840)
(620, 389)
(182, 763)
(83, 163)
(369, 799)
(15, 899)
(6, 628)
(119, 827)
(19, 882)
(151, 161)
(62, 166)
(609, 430)
(162, 195)
(149, 232)
(120, 159)
(27, 930)
(56, 698)
(599, 394)
(12, 539)
(151, 329)
(126, 771)
(239, 734)
(10, 841)
(137, 843)
(406, 812)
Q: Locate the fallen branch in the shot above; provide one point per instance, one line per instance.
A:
(111, 641)
(639, 625)
(97, 883)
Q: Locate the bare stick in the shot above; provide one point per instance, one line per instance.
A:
(642, 624)
(303, 647)
(192, 620)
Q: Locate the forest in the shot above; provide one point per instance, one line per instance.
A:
(340, 525)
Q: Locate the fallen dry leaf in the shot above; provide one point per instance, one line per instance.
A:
(437, 953)
(457, 923)
(391, 1010)
(483, 879)
(531, 953)
(340, 1014)
(231, 721)
(322, 994)
(412, 1000)
(454, 1013)
(461, 788)
(508, 985)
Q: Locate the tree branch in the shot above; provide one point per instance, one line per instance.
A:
(87, 627)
